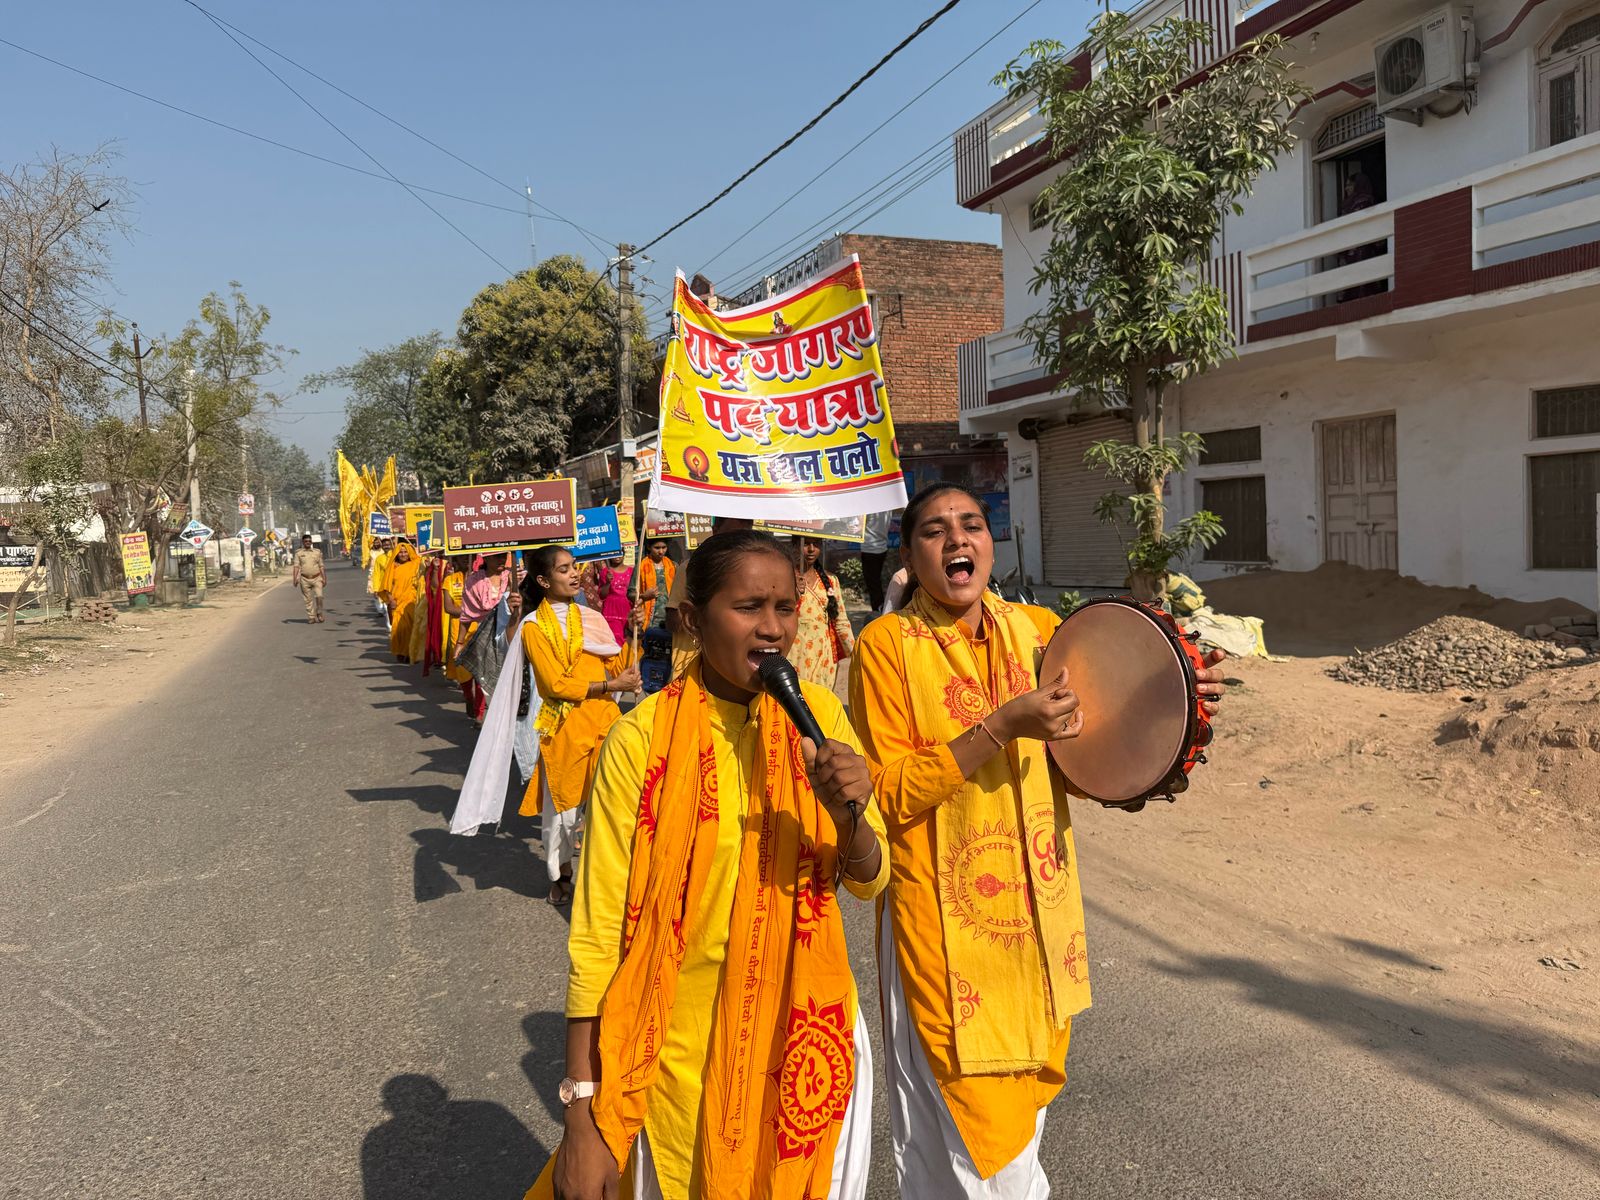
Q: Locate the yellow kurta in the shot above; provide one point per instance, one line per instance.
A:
(820, 646)
(567, 758)
(994, 1113)
(595, 943)
(400, 592)
(453, 586)
(376, 570)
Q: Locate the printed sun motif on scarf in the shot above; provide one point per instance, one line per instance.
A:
(965, 701)
(1076, 957)
(981, 866)
(811, 895)
(1018, 678)
(815, 1078)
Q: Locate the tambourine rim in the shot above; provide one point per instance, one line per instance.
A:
(1172, 636)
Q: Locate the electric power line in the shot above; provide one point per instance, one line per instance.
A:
(330, 123)
(808, 126)
(940, 150)
(259, 137)
(594, 238)
(794, 195)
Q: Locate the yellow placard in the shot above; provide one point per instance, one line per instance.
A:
(137, 571)
(778, 410)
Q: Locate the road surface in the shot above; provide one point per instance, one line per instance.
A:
(241, 956)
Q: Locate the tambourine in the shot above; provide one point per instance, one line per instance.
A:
(1145, 726)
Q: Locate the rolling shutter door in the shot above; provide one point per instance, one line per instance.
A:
(1078, 550)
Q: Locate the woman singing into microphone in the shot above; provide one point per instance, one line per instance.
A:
(713, 1031)
(981, 943)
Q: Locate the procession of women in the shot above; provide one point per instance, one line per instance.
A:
(706, 848)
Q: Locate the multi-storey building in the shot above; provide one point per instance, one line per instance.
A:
(1415, 296)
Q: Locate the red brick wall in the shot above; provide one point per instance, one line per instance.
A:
(932, 296)
(1433, 249)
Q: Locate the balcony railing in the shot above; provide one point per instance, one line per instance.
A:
(1340, 258)
(1547, 201)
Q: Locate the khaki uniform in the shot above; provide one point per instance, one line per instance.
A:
(308, 565)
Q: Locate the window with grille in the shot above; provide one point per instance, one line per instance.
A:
(1576, 34)
(1350, 127)
(1241, 505)
(1231, 446)
(1567, 412)
(1561, 109)
(1561, 490)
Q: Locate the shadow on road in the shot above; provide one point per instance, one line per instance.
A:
(1516, 1076)
(545, 1063)
(435, 1148)
(444, 859)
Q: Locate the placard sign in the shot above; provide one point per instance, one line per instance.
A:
(839, 529)
(599, 535)
(659, 524)
(510, 516)
(378, 525)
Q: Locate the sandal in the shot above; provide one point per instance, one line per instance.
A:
(560, 893)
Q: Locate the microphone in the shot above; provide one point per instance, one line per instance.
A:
(778, 676)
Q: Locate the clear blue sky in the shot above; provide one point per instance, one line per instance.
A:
(624, 116)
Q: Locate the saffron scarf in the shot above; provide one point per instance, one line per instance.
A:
(1009, 900)
(567, 641)
(781, 1067)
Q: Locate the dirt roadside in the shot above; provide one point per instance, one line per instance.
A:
(66, 677)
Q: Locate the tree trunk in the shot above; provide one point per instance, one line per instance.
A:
(1148, 430)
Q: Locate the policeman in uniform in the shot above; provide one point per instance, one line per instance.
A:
(309, 578)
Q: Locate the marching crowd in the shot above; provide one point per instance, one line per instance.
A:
(715, 1046)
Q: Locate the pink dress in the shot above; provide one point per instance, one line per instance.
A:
(611, 584)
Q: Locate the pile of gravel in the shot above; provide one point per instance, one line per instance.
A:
(1452, 652)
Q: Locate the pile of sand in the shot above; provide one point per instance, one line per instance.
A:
(1537, 746)
(1452, 652)
(1337, 608)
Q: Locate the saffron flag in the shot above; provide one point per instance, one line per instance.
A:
(777, 410)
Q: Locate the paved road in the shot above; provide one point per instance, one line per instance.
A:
(240, 957)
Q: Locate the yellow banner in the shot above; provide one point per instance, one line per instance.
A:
(777, 410)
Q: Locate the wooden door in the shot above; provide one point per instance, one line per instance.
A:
(1360, 493)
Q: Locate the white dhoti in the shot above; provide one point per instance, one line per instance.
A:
(852, 1158)
(930, 1158)
(559, 831)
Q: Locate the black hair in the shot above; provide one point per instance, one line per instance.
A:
(919, 505)
(540, 562)
(719, 554)
(926, 496)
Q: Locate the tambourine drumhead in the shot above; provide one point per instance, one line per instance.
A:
(1132, 683)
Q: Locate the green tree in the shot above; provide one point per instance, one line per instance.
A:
(381, 413)
(1151, 167)
(531, 379)
(55, 509)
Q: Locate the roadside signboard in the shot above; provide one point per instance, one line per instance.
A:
(137, 572)
(247, 504)
(15, 564)
(196, 534)
(599, 535)
(510, 516)
(247, 535)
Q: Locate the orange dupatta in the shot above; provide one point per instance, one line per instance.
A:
(781, 1067)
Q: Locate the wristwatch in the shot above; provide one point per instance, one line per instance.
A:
(571, 1091)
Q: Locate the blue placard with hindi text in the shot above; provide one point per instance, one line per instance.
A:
(599, 535)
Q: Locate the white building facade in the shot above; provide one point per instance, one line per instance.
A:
(1415, 294)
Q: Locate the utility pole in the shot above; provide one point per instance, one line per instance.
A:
(625, 368)
(533, 241)
(138, 371)
(244, 486)
(194, 487)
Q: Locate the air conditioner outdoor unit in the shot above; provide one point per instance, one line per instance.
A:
(1427, 59)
